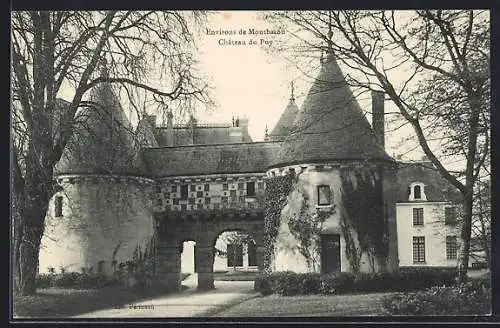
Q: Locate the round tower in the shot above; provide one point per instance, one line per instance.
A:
(343, 175)
(102, 217)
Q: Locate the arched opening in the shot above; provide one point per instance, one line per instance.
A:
(235, 257)
(188, 263)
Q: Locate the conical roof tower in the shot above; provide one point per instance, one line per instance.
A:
(285, 122)
(330, 125)
(103, 140)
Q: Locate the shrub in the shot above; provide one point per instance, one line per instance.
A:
(473, 297)
(75, 280)
(44, 280)
(337, 283)
(309, 283)
(410, 279)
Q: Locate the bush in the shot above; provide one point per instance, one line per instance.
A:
(74, 280)
(337, 283)
(473, 297)
(410, 279)
(44, 280)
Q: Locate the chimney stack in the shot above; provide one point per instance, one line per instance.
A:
(378, 116)
(170, 129)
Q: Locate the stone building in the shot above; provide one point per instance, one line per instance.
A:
(148, 190)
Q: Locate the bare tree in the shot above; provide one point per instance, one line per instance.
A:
(59, 52)
(432, 64)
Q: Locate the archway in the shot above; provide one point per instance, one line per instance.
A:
(235, 250)
(188, 263)
(235, 258)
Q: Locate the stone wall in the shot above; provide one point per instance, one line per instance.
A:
(102, 215)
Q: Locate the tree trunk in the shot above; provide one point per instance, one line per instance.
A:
(16, 217)
(465, 236)
(28, 256)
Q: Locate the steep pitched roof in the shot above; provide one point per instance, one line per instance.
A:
(103, 140)
(330, 124)
(204, 134)
(437, 188)
(285, 122)
(210, 159)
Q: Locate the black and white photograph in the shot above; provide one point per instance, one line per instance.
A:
(249, 164)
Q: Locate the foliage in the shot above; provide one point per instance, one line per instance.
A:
(290, 283)
(362, 201)
(445, 97)
(74, 280)
(306, 228)
(277, 190)
(473, 297)
(61, 52)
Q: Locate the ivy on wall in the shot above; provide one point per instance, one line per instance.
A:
(306, 227)
(277, 190)
(362, 200)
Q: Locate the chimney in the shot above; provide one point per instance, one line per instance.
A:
(378, 116)
(192, 125)
(170, 129)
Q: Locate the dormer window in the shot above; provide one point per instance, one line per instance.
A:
(417, 191)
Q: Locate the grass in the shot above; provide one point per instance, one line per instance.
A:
(65, 302)
(236, 275)
(308, 305)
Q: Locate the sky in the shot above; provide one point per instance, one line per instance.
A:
(250, 82)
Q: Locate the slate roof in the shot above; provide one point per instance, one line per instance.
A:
(330, 124)
(203, 135)
(437, 188)
(285, 122)
(103, 140)
(210, 159)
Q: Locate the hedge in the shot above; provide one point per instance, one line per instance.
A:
(470, 298)
(290, 283)
(74, 280)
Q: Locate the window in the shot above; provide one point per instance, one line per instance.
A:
(58, 206)
(193, 187)
(241, 186)
(450, 215)
(207, 187)
(224, 186)
(158, 189)
(418, 216)
(199, 194)
(174, 189)
(250, 188)
(324, 195)
(417, 192)
(451, 247)
(184, 191)
(418, 249)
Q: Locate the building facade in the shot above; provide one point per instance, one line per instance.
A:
(148, 190)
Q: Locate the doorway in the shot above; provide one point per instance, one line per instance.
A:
(330, 253)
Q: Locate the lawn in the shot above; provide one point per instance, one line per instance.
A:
(308, 305)
(64, 302)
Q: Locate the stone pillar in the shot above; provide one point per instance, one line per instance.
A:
(169, 267)
(260, 258)
(204, 267)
